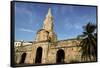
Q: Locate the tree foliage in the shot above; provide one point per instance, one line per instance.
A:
(89, 43)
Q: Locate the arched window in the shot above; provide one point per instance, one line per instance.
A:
(38, 55)
(60, 56)
(23, 58)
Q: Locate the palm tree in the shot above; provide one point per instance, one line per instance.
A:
(89, 43)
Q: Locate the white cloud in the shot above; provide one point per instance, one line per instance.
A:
(77, 26)
(26, 30)
(72, 25)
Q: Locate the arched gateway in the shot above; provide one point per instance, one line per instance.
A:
(60, 56)
(23, 58)
(38, 55)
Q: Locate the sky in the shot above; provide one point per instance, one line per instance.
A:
(68, 19)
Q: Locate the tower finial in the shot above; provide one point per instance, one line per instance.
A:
(48, 22)
(49, 13)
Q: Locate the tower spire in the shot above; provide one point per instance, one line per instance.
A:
(48, 22)
(48, 27)
(49, 14)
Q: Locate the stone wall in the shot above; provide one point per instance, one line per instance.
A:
(21, 50)
(70, 49)
(49, 52)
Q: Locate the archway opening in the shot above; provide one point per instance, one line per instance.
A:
(23, 58)
(38, 55)
(60, 56)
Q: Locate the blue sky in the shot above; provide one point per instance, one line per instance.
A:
(68, 19)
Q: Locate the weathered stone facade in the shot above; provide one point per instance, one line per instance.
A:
(46, 49)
